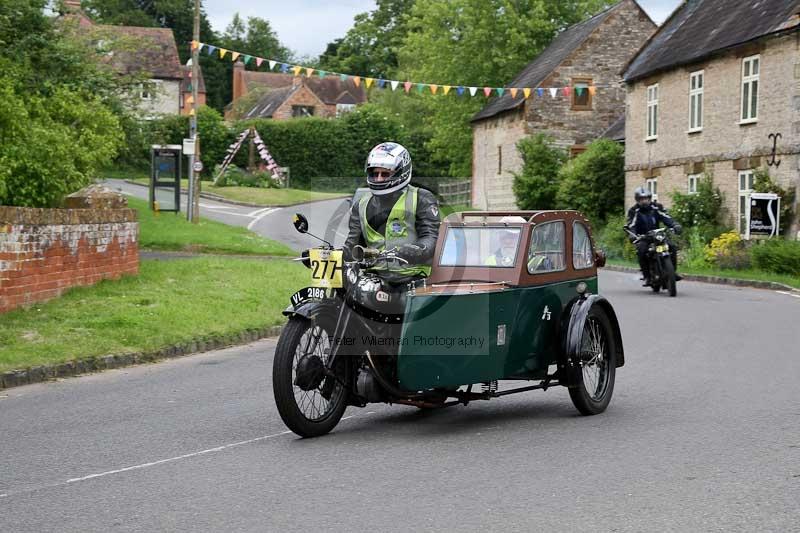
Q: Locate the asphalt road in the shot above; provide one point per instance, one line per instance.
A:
(327, 219)
(703, 434)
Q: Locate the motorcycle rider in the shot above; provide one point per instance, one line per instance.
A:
(645, 216)
(393, 213)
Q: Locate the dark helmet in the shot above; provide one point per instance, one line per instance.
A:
(393, 157)
(641, 192)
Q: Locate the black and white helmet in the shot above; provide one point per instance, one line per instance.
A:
(641, 192)
(393, 157)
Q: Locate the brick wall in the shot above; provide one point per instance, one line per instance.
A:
(44, 252)
(723, 145)
(303, 96)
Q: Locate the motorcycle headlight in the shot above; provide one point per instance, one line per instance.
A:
(660, 237)
(351, 275)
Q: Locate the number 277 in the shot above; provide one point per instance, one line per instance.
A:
(316, 274)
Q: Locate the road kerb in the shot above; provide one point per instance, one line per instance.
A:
(719, 280)
(77, 367)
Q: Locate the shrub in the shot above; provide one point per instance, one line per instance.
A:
(728, 251)
(614, 241)
(594, 181)
(536, 186)
(694, 253)
(778, 256)
(702, 210)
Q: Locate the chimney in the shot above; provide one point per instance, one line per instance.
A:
(72, 6)
(239, 86)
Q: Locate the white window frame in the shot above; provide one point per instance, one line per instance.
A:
(652, 186)
(651, 131)
(746, 180)
(696, 83)
(691, 183)
(341, 109)
(748, 113)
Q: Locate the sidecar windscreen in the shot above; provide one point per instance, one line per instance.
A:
(481, 247)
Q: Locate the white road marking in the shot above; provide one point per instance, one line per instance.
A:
(792, 294)
(258, 211)
(211, 206)
(260, 216)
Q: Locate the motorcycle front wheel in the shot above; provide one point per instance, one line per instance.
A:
(309, 402)
(668, 276)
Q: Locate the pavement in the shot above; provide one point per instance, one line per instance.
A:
(702, 434)
(327, 219)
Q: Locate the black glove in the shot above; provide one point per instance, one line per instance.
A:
(410, 252)
(677, 229)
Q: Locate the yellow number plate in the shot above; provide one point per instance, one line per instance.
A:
(326, 268)
(661, 248)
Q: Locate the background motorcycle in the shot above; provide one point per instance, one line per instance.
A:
(659, 258)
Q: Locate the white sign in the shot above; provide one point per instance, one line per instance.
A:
(198, 166)
(188, 147)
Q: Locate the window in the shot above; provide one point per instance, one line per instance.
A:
(149, 89)
(181, 101)
(499, 159)
(751, 68)
(694, 179)
(696, 82)
(576, 149)
(491, 246)
(581, 97)
(745, 188)
(341, 109)
(652, 112)
(302, 110)
(582, 252)
(547, 248)
(652, 186)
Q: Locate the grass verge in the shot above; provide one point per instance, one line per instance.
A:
(168, 303)
(756, 275)
(170, 231)
(251, 195)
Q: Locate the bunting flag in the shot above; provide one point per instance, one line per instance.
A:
(263, 153)
(566, 91)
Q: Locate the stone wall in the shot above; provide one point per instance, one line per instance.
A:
(724, 146)
(496, 159)
(44, 252)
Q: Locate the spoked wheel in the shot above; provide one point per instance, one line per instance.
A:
(598, 361)
(309, 402)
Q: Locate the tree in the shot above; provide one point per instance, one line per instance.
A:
(536, 186)
(594, 181)
(370, 47)
(57, 126)
(475, 43)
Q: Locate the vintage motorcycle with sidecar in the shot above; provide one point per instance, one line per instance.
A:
(512, 297)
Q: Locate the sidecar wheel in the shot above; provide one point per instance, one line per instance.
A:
(309, 405)
(598, 361)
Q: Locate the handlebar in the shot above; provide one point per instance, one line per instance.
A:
(365, 254)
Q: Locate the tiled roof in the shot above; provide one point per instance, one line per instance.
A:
(540, 68)
(150, 50)
(270, 102)
(331, 90)
(699, 28)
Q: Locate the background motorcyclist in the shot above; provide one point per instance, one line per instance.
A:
(645, 216)
(393, 213)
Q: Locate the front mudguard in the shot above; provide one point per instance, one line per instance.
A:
(572, 324)
(313, 309)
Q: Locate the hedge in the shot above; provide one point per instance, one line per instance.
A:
(778, 256)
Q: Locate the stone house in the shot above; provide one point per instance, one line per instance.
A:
(589, 54)
(148, 52)
(706, 92)
(283, 96)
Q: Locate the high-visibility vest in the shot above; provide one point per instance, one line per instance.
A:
(400, 229)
